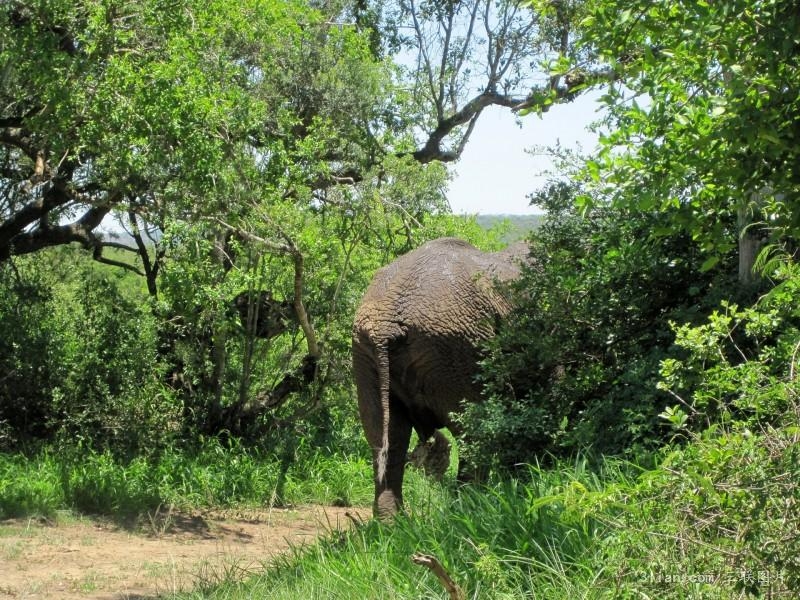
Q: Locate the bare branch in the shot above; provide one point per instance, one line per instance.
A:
(423, 55)
(448, 32)
(98, 256)
(119, 246)
(463, 51)
(302, 315)
(81, 231)
(20, 138)
(465, 138)
(432, 563)
(151, 267)
(433, 147)
(269, 244)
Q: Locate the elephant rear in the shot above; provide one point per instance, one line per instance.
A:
(416, 345)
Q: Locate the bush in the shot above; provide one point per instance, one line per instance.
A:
(78, 344)
(112, 393)
(721, 508)
(576, 367)
(31, 360)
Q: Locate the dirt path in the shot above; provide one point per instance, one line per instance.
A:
(95, 559)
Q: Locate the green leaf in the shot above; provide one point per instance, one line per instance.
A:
(709, 263)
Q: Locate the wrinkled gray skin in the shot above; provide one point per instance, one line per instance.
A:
(416, 341)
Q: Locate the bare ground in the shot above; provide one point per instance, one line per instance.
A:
(164, 553)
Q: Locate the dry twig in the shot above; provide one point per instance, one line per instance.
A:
(431, 562)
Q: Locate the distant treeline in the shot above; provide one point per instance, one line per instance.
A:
(518, 225)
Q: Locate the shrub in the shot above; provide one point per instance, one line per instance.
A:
(576, 366)
(78, 353)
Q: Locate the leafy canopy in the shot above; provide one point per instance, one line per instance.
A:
(704, 115)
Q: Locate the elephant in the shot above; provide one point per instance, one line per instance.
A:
(417, 338)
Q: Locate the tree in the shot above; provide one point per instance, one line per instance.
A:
(232, 138)
(459, 58)
(697, 170)
(706, 117)
(129, 107)
(207, 113)
(143, 111)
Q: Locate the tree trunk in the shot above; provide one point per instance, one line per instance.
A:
(749, 242)
(218, 341)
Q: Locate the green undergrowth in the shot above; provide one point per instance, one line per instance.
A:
(714, 518)
(501, 540)
(217, 475)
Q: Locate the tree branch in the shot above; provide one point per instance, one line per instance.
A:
(19, 138)
(288, 248)
(81, 231)
(150, 267)
(575, 82)
(119, 246)
(98, 256)
(428, 66)
(432, 563)
(433, 147)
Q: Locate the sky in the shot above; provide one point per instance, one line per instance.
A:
(495, 172)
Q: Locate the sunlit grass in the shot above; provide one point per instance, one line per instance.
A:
(502, 540)
(215, 476)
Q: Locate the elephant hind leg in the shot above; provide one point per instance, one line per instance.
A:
(389, 489)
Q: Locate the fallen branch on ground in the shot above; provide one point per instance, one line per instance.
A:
(431, 562)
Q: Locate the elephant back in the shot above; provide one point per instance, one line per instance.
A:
(444, 287)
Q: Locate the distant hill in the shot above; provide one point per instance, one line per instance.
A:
(518, 225)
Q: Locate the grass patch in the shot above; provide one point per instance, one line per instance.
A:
(497, 541)
(688, 527)
(30, 487)
(216, 476)
(715, 518)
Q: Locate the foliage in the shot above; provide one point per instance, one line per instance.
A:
(81, 358)
(89, 357)
(735, 364)
(231, 379)
(714, 518)
(276, 149)
(264, 148)
(457, 58)
(29, 352)
(726, 502)
(577, 365)
(172, 113)
(704, 122)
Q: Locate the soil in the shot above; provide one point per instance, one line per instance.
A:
(163, 553)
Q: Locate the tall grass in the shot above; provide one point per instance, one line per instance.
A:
(714, 519)
(567, 532)
(217, 475)
(498, 541)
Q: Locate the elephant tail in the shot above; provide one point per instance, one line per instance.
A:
(382, 355)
